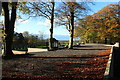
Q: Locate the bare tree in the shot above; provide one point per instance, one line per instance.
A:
(46, 10)
(68, 14)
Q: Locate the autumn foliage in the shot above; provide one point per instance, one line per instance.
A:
(101, 27)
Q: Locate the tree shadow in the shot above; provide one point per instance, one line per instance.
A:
(106, 77)
(32, 56)
(68, 57)
(89, 49)
(83, 46)
(17, 56)
(61, 48)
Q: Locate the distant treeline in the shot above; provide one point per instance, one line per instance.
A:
(25, 40)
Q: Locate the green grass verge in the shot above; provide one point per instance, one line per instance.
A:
(20, 49)
(43, 47)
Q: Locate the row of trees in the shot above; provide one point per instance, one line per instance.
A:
(34, 40)
(24, 40)
(19, 41)
(101, 27)
(66, 14)
(69, 11)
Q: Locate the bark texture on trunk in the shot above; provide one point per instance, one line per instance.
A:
(9, 27)
(71, 31)
(51, 28)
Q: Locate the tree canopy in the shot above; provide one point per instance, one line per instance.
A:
(103, 26)
(68, 14)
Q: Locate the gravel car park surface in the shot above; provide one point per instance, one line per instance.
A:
(87, 62)
(88, 49)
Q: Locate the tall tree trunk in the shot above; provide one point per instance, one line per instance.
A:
(71, 31)
(9, 28)
(0, 7)
(105, 40)
(7, 47)
(51, 28)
